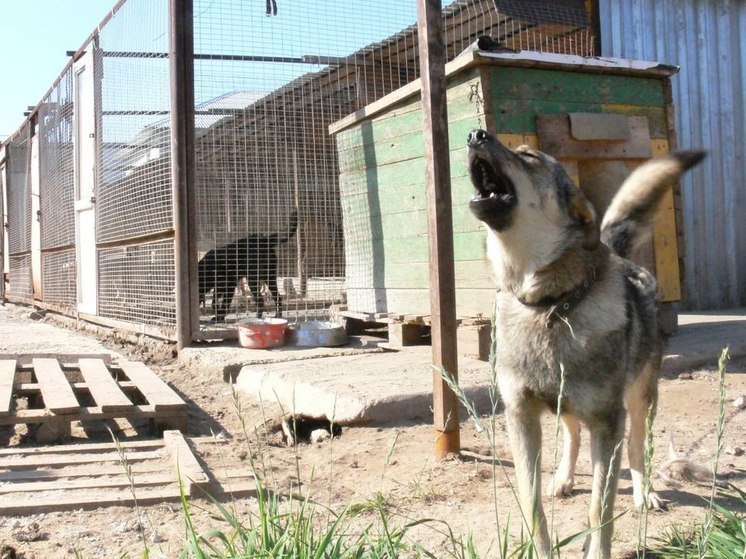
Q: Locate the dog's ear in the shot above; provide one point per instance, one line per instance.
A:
(583, 213)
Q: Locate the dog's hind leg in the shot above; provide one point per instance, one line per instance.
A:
(524, 429)
(256, 292)
(275, 291)
(641, 400)
(563, 480)
(607, 433)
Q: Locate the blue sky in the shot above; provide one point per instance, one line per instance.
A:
(36, 34)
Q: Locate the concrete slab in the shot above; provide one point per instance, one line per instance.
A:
(227, 358)
(701, 337)
(362, 388)
(382, 387)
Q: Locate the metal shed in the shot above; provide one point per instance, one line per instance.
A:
(705, 38)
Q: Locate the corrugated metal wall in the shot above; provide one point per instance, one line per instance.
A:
(705, 38)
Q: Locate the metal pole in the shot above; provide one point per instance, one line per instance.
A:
(440, 226)
(181, 70)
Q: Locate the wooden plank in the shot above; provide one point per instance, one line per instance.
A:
(25, 360)
(556, 140)
(156, 391)
(102, 386)
(56, 391)
(30, 387)
(21, 462)
(145, 467)
(191, 473)
(89, 484)
(77, 448)
(557, 86)
(90, 500)
(7, 378)
(94, 413)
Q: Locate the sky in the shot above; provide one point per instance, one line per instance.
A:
(35, 35)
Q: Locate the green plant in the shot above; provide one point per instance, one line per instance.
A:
(722, 535)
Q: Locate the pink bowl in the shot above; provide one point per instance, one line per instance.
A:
(262, 333)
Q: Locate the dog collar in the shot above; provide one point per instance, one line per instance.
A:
(560, 307)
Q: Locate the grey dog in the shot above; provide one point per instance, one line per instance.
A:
(575, 320)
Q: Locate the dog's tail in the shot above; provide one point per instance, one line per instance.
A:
(629, 218)
(288, 234)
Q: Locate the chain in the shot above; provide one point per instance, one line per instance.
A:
(476, 98)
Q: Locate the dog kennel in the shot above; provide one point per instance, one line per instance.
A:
(599, 117)
(182, 126)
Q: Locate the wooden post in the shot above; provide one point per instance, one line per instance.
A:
(440, 226)
(181, 70)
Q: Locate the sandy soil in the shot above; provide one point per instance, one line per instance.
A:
(391, 464)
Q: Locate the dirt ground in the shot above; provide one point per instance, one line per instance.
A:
(393, 464)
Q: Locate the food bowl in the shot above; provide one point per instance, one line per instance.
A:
(262, 333)
(317, 334)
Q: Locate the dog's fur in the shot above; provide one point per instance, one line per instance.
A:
(575, 321)
(252, 257)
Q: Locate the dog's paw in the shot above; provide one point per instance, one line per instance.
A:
(651, 501)
(559, 487)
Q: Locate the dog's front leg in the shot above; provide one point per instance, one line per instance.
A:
(524, 430)
(563, 480)
(606, 441)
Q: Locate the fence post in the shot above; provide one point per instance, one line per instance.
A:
(440, 225)
(181, 79)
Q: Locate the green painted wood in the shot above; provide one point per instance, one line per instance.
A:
(554, 86)
(402, 148)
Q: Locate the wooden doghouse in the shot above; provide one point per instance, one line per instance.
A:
(599, 117)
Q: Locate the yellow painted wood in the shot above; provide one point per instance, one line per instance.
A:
(512, 141)
(665, 240)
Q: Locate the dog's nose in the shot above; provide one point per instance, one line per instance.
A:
(476, 137)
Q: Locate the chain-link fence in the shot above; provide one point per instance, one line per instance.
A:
(267, 86)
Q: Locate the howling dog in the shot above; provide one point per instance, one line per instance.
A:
(575, 321)
(252, 257)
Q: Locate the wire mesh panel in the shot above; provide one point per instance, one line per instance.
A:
(56, 165)
(267, 87)
(134, 193)
(57, 193)
(133, 196)
(18, 193)
(58, 278)
(149, 300)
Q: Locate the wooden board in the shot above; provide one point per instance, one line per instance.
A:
(557, 140)
(56, 400)
(56, 391)
(102, 386)
(159, 394)
(67, 477)
(7, 374)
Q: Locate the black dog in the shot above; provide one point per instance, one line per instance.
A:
(253, 258)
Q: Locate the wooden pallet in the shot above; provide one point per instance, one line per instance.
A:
(60, 391)
(71, 477)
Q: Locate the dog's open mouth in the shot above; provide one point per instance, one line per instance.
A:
(495, 194)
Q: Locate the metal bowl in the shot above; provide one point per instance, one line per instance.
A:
(317, 334)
